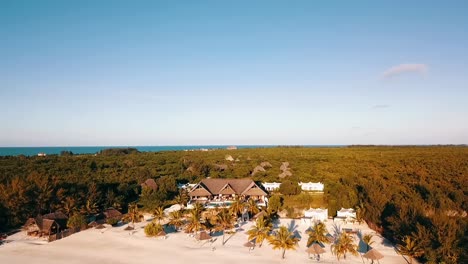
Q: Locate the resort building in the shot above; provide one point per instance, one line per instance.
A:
(271, 186)
(315, 215)
(186, 186)
(222, 191)
(312, 186)
(345, 215)
(46, 225)
(346, 212)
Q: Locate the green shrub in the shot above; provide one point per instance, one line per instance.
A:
(289, 188)
(77, 221)
(112, 221)
(152, 229)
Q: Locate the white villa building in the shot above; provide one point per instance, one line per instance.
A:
(345, 215)
(271, 186)
(312, 186)
(315, 214)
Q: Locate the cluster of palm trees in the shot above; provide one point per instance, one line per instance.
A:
(224, 219)
(198, 218)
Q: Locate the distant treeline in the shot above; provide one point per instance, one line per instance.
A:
(418, 192)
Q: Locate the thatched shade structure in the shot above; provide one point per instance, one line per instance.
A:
(249, 244)
(373, 254)
(203, 236)
(161, 233)
(100, 227)
(315, 248)
(150, 183)
(128, 228)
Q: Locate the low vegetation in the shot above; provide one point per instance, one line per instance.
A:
(416, 194)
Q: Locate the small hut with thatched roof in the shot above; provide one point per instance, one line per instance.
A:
(47, 224)
(150, 183)
(203, 236)
(373, 254)
(110, 215)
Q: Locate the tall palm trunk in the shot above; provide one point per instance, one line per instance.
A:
(224, 232)
(284, 252)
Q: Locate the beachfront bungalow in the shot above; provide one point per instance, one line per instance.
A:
(346, 212)
(46, 225)
(110, 215)
(150, 183)
(345, 215)
(271, 186)
(186, 186)
(221, 191)
(315, 215)
(312, 186)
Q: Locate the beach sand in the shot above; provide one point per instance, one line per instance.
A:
(115, 245)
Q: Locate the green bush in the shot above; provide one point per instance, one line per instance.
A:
(289, 188)
(77, 221)
(275, 203)
(152, 229)
(112, 221)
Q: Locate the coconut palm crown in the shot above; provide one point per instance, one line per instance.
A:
(283, 239)
(260, 231)
(344, 244)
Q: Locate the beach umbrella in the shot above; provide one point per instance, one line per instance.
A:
(315, 248)
(373, 254)
(249, 245)
(203, 236)
(128, 228)
(161, 233)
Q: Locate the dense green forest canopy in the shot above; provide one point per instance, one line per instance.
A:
(400, 191)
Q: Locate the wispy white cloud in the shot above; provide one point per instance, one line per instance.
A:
(380, 106)
(405, 68)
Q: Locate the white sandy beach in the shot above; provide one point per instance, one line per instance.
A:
(115, 245)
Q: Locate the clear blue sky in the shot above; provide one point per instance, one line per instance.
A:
(233, 72)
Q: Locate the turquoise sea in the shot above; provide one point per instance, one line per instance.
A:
(32, 151)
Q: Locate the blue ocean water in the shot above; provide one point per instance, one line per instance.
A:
(32, 151)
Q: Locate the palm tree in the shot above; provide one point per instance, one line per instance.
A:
(344, 244)
(252, 207)
(225, 221)
(317, 234)
(237, 207)
(69, 205)
(259, 231)
(89, 208)
(158, 214)
(368, 240)
(409, 248)
(198, 209)
(175, 219)
(283, 239)
(194, 224)
(133, 215)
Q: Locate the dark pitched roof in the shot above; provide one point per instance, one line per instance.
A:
(112, 213)
(48, 224)
(55, 216)
(226, 186)
(151, 184)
